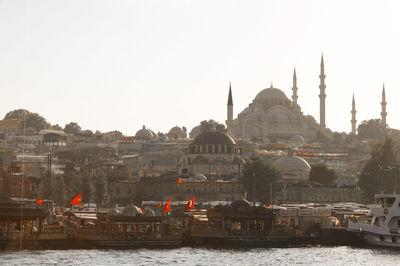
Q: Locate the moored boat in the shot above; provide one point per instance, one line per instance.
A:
(382, 227)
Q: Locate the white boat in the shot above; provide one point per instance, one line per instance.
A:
(382, 228)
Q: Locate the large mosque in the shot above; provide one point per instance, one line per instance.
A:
(272, 117)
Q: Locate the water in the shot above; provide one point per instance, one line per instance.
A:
(201, 256)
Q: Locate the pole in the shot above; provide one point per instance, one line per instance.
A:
(254, 189)
(209, 184)
(49, 180)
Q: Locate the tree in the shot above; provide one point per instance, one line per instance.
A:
(260, 175)
(32, 120)
(56, 127)
(380, 173)
(371, 129)
(72, 128)
(211, 124)
(321, 174)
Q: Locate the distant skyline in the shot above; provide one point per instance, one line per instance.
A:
(119, 65)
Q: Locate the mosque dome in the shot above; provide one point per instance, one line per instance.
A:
(195, 131)
(213, 137)
(177, 132)
(144, 134)
(272, 96)
(292, 163)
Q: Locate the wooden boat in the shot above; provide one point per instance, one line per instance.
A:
(245, 225)
(121, 231)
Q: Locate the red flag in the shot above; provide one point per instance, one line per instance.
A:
(268, 205)
(77, 200)
(179, 181)
(39, 202)
(190, 204)
(167, 206)
(160, 205)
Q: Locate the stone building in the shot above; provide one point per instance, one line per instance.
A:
(305, 193)
(273, 117)
(212, 152)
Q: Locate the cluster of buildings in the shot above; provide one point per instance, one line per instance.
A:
(205, 164)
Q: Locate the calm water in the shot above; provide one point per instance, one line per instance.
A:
(200, 256)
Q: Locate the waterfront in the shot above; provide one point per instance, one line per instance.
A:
(200, 256)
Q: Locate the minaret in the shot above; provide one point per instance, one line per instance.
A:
(383, 103)
(353, 116)
(322, 95)
(294, 89)
(229, 120)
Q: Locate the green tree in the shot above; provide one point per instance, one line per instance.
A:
(32, 120)
(321, 174)
(211, 124)
(259, 175)
(380, 172)
(371, 129)
(72, 128)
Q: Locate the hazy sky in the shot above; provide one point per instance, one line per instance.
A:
(122, 64)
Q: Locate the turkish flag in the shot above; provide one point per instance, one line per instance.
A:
(39, 202)
(77, 200)
(167, 206)
(179, 181)
(160, 205)
(190, 204)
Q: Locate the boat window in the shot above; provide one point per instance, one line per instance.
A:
(394, 222)
(390, 202)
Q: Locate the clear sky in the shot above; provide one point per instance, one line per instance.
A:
(118, 65)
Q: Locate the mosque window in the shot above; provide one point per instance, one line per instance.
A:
(213, 148)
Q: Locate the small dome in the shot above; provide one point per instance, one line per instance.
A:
(292, 163)
(176, 133)
(144, 134)
(195, 131)
(213, 138)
